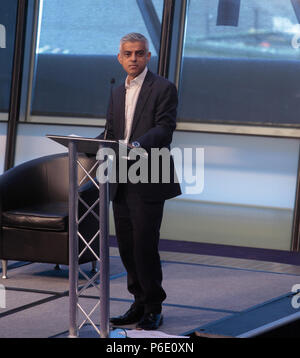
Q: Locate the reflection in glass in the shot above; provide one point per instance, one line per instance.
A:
(265, 30)
(241, 74)
(77, 54)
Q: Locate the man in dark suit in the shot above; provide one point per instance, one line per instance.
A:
(142, 113)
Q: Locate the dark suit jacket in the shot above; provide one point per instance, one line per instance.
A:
(153, 125)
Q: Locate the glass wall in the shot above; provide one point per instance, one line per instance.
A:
(244, 74)
(77, 53)
(230, 74)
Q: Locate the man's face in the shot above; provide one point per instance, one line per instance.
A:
(133, 57)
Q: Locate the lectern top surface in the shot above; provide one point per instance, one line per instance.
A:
(83, 144)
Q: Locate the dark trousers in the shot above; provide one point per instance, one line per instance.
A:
(137, 229)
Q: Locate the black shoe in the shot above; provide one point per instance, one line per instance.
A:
(133, 315)
(150, 321)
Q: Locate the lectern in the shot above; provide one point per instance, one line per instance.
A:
(90, 146)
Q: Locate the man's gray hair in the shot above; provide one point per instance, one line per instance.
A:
(134, 37)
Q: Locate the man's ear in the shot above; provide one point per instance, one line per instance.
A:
(148, 56)
(119, 58)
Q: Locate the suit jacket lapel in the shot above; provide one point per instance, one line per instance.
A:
(143, 96)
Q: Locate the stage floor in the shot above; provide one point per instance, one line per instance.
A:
(205, 293)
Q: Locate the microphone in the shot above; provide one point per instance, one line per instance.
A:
(112, 82)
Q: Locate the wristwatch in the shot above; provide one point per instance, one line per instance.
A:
(135, 144)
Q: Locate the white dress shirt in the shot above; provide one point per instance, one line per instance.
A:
(133, 89)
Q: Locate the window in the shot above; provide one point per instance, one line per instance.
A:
(77, 53)
(245, 73)
(8, 13)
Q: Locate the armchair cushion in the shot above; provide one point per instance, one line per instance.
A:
(47, 216)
